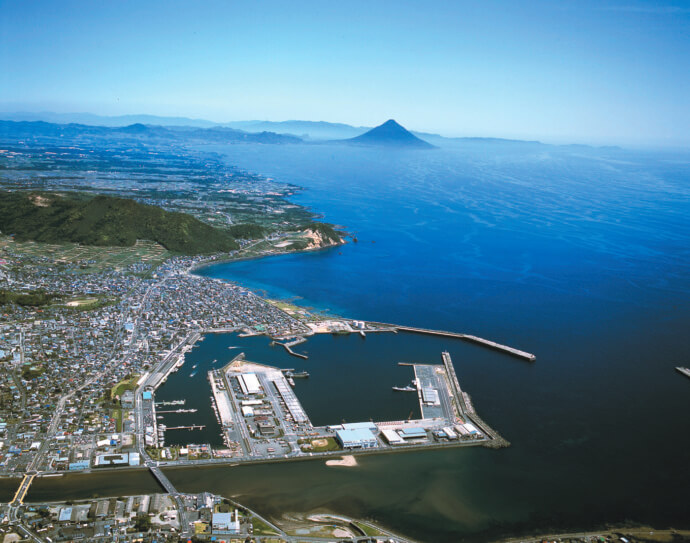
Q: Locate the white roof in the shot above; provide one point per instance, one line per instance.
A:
(392, 436)
(449, 432)
(471, 428)
(249, 383)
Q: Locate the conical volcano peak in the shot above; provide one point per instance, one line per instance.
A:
(390, 134)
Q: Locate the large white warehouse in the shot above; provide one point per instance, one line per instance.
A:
(249, 383)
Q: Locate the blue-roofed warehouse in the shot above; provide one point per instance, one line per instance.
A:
(359, 438)
(413, 433)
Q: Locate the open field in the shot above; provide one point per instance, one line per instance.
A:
(321, 445)
(122, 386)
(89, 257)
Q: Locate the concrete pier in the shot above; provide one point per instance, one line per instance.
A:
(465, 405)
(454, 383)
(499, 347)
(222, 400)
(467, 337)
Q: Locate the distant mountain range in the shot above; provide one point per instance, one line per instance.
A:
(294, 131)
(390, 134)
(215, 134)
(315, 130)
(306, 130)
(103, 120)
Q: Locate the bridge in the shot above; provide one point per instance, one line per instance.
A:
(22, 490)
(162, 479)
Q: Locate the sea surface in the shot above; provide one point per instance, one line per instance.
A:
(579, 255)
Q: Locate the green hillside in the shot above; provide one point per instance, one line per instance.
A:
(105, 221)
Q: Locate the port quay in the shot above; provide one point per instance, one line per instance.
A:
(263, 420)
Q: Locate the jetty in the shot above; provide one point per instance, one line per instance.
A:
(290, 344)
(467, 337)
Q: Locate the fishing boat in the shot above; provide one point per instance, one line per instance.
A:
(407, 388)
(684, 371)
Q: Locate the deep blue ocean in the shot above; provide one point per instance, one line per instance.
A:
(579, 255)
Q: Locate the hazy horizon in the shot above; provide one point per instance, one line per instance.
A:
(421, 132)
(590, 72)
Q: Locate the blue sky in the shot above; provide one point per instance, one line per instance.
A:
(597, 72)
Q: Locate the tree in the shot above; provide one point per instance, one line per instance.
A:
(142, 523)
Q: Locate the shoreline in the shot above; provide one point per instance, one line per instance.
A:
(228, 259)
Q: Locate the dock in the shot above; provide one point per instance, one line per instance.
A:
(223, 403)
(466, 337)
(464, 404)
(454, 383)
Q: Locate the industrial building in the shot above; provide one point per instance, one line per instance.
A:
(392, 437)
(225, 523)
(112, 460)
(467, 431)
(413, 433)
(430, 396)
(450, 433)
(358, 438)
(293, 404)
(471, 428)
(353, 426)
(127, 399)
(249, 383)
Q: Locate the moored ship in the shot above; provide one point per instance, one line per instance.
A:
(684, 371)
(407, 388)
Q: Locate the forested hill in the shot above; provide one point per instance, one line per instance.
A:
(105, 221)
